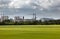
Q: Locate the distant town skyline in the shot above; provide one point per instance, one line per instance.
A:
(43, 8)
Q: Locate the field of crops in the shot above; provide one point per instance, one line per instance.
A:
(29, 31)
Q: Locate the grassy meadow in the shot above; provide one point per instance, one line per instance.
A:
(29, 31)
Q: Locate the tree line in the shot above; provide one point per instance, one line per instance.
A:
(36, 22)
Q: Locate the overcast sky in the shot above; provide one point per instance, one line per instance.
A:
(43, 8)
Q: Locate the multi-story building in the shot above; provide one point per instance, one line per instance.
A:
(18, 19)
(4, 18)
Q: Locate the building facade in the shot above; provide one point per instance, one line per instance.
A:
(4, 18)
(18, 19)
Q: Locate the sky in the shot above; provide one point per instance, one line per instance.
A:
(42, 8)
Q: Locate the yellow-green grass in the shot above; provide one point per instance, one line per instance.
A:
(29, 31)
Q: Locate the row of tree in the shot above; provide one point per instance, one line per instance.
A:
(37, 22)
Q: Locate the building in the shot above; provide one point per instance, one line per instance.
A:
(4, 18)
(28, 20)
(46, 19)
(18, 19)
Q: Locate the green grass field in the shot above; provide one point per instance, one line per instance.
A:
(29, 31)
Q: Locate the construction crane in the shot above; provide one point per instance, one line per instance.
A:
(34, 17)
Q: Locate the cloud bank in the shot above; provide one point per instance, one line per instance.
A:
(43, 8)
(40, 3)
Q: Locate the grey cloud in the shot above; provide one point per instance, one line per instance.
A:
(28, 9)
